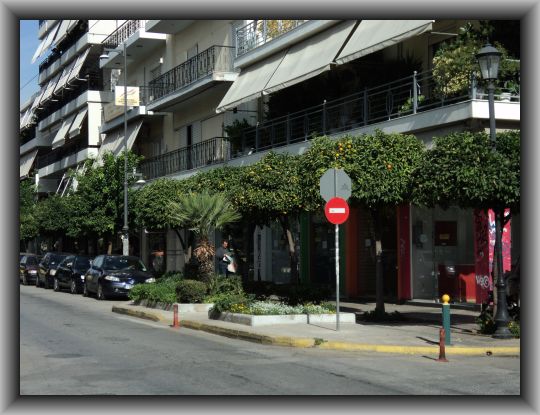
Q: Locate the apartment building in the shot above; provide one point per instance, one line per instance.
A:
(60, 125)
(289, 80)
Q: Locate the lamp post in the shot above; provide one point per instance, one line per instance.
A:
(125, 228)
(488, 59)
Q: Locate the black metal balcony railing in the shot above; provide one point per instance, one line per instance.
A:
(214, 59)
(123, 33)
(406, 96)
(259, 32)
(198, 155)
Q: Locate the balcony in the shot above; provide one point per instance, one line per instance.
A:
(213, 65)
(259, 32)
(139, 43)
(409, 105)
(202, 154)
(59, 160)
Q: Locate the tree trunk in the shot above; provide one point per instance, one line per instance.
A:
(379, 277)
(293, 254)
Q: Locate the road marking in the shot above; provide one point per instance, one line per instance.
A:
(138, 320)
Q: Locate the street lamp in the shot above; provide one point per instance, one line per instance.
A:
(488, 59)
(125, 229)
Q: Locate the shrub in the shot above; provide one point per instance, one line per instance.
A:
(260, 289)
(219, 284)
(515, 329)
(226, 302)
(190, 291)
(163, 291)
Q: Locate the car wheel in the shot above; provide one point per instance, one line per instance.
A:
(46, 283)
(85, 290)
(73, 287)
(24, 280)
(100, 294)
(56, 286)
(37, 281)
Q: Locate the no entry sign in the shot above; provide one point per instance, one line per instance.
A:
(336, 210)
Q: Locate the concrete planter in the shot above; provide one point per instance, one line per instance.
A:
(182, 308)
(251, 320)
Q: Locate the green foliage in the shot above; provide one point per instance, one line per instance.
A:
(380, 166)
(98, 204)
(454, 62)
(269, 189)
(234, 133)
(294, 294)
(225, 301)
(53, 214)
(190, 291)
(150, 205)
(28, 223)
(162, 291)
(515, 329)
(462, 169)
(219, 284)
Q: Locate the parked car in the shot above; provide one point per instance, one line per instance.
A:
(70, 273)
(47, 268)
(114, 276)
(28, 268)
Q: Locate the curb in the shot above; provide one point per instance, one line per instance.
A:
(323, 344)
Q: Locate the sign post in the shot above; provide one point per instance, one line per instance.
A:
(335, 188)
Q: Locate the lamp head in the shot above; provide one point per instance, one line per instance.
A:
(489, 58)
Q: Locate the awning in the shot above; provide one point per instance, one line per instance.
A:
(60, 137)
(309, 58)
(62, 31)
(50, 88)
(78, 65)
(64, 77)
(25, 163)
(27, 118)
(114, 141)
(251, 82)
(45, 43)
(38, 98)
(75, 128)
(373, 35)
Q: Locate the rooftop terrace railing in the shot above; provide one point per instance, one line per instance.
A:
(123, 33)
(214, 59)
(258, 32)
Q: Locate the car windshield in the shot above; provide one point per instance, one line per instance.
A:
(117, 263)
(31, 260)
(82, 263)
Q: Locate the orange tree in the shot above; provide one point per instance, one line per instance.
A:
(380, 166)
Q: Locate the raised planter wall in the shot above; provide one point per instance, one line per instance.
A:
(251, 320)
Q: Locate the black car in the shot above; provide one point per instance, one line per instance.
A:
(28, 268)
(115, 275)
(47, 268)
(70, 273)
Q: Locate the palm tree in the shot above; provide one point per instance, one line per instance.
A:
(200, 213)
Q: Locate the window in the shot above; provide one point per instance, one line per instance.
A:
(98, 262)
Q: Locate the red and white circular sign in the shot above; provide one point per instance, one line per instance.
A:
(336, 210)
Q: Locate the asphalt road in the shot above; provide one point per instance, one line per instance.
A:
(71, 345)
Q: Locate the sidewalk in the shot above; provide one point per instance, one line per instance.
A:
(418, 334)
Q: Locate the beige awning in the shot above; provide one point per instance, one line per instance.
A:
(309, 58)
(25, 163)
(50, 88)
(75, 128)
(36, 102)
(45, 43)
(251, 82)
(60, 137)
(78, 65)
(373, 35)
(65, 75)
(65, 26)
(114, 141)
